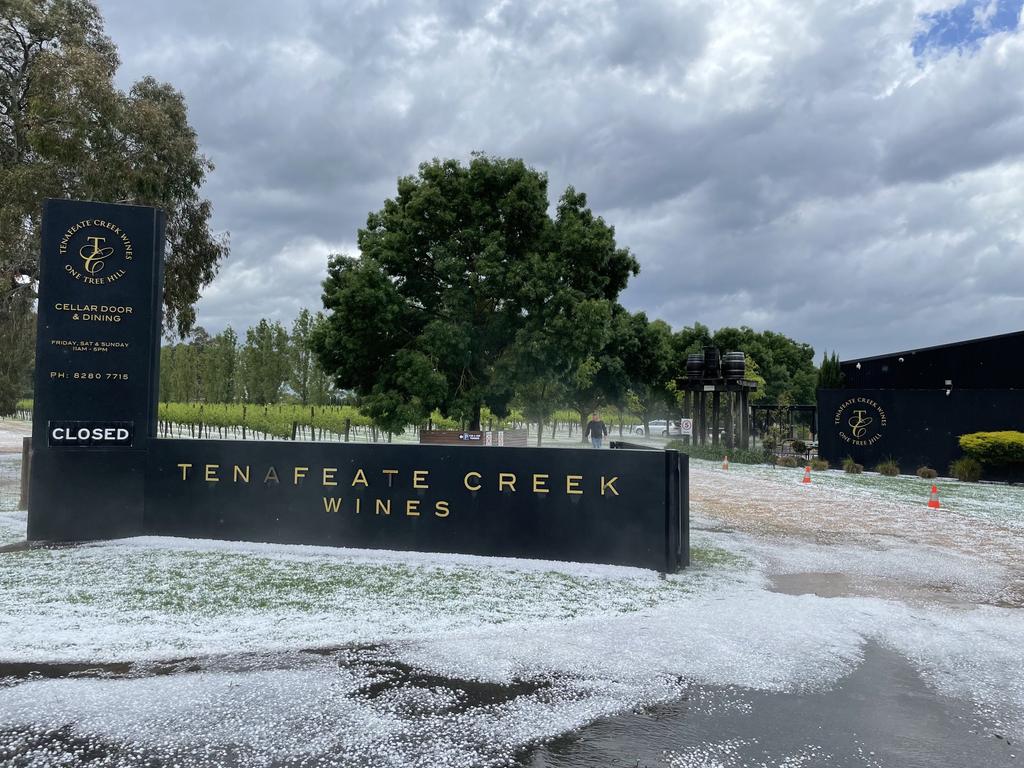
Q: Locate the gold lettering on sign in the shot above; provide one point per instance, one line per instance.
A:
(271, 477)
(411, 507)
(104, 251)
(211, 473)
(465, 481)
(572, 485)
(441, 509)
(419, 479)
(609, 485)
(329, 473)
(332, 504)
(859, 423)
(298, 473)
(382, 505)
(360, 479)
(859, 428)
(239, 474)
(184, 470)
(507, 479)
(538, 484)
(94, 253)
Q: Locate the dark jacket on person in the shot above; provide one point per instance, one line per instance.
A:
(596, 428)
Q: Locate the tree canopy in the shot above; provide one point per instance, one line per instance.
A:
(67, 131)
(787, 366)
(472, 288)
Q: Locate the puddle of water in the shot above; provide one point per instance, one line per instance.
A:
(845, 585)
(882, 714)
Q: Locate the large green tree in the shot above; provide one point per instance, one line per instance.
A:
(571, 343)
(67, 131)
(451, 272)
(647, 353)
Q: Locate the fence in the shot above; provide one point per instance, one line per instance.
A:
(10, 483)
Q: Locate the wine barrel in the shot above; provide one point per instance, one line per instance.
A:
(734, 365)
(695, 365)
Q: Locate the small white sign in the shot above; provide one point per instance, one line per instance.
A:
(686, 427)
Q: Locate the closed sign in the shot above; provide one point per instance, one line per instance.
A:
(90, 434)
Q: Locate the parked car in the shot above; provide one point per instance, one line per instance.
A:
(658, 427)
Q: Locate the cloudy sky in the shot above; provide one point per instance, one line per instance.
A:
(848, 173)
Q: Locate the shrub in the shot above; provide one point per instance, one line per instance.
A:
(889, 467)
(819, 465)
(852, 467)
(966, 469)
(787, 461)
(927, 473)
(799, 446)
(736, 455)
(995, 448)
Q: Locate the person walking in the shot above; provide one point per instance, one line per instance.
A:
(596, 430)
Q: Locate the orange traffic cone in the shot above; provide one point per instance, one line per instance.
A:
(725, 462)
(933, 498)
(807, 475)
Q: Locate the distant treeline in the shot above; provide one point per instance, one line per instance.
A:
(275, 365)
(271, 365)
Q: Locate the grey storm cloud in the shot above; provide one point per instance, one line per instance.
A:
(783, 165)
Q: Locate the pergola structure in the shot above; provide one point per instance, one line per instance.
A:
(730, 424)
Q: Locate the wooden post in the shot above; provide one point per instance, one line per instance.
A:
(744, 422)
(26, 468)
(730, 406)
(702, 407)
(716, 414)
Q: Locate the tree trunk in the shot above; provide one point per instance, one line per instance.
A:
(474, 424)
(540, 430)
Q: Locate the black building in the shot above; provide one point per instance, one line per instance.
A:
(913, 406)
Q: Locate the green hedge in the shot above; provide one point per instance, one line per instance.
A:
(736, 455)
(995, 448)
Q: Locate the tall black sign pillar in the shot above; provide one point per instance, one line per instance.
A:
(97, 356)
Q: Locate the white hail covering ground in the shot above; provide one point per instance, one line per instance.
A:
(941, 588)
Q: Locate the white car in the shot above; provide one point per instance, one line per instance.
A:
(657, 427)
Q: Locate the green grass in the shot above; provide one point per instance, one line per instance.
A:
(117, 601)
(184, 587)
(715, 557)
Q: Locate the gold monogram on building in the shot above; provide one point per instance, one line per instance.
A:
(861, 421)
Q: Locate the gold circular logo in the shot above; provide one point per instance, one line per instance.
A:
(96, 252)
(860, 421)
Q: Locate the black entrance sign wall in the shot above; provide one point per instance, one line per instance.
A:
(549, 503)
(98, 470)
(97, 352)
(916, 427)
